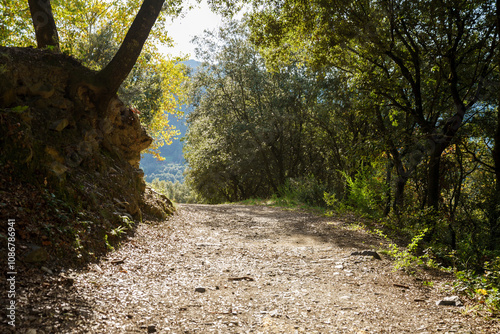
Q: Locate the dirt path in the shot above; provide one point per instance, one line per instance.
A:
(246, 269)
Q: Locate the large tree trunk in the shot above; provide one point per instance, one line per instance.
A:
(44, 24)
(113, 75)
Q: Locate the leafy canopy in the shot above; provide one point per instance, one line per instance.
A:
(92, 31)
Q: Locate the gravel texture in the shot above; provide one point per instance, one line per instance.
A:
(244, 269)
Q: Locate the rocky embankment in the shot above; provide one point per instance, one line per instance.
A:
(69, 163)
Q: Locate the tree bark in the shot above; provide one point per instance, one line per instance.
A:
(388, 182)
(399, 194)
(113, 75)
(494, 216)
(433, 178)
(44, 24)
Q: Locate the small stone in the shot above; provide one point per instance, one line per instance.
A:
(367, 253)
(200, 289)
(59, 125)
(58, 168)
(450, 301)
(31, 331)
(275, 314)
(151, 329)
(47, 270)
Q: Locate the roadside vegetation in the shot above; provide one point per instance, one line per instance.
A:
(379, 110)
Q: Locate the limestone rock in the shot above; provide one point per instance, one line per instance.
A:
(43, 89)
(450, 301)
(47, 270)
(59, 125)
(156, 205)
(58, 168)
(54, 154)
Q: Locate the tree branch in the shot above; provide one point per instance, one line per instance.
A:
(44, 24)
(113, 75)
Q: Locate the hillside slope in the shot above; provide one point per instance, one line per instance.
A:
(70, 174)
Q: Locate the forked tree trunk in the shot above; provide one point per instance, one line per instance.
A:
(44, 24)
(113, 75)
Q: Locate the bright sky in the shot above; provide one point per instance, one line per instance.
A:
(183, 29)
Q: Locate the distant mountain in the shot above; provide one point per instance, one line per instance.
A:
(169, 169)
(192, 63)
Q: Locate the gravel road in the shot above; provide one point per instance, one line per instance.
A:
(245, 269)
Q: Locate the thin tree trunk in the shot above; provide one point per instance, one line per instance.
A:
(399, 193)
(388, 181)
(433, 176)
(494, 219)
(44, 24)
(113, 75)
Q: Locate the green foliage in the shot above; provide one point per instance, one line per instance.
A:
(116, 232)
(362, 191)
(127, 222)
(252, 130)
(92, 31)
(482, 287)
(307, 190)
(409, 258)
(108, 245)
(20, 109)
(172, 172)
(365, 193)
(413, 73)
(175, 191)
(429, 284)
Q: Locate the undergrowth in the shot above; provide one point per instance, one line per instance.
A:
(408, 258)
(415, 232)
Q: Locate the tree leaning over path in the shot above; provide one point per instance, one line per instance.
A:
(120, 66)
(109, 79)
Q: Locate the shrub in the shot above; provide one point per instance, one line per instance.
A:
(365, 195)
(175, 191)
(305, 190)
(482, 287)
